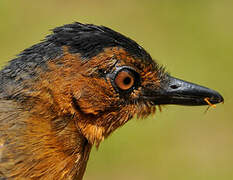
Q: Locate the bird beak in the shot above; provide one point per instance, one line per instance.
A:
(177, 91)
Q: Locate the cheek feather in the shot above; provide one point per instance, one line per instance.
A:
(94, 97)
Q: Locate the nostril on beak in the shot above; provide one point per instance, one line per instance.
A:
(174, 86)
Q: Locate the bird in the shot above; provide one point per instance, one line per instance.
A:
(65, 95)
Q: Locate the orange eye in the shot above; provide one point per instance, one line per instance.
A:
(124, 80)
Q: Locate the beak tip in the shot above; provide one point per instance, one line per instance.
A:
(221, 99)
(217, 98)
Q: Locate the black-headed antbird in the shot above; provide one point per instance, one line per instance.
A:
(67, 93)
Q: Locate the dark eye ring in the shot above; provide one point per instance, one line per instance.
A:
(124, 79)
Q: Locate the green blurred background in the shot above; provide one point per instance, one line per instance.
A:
(193, 39)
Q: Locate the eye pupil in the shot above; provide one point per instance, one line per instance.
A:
(124, 80)
(127, 81)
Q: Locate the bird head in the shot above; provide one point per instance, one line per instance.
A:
(101, 79)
